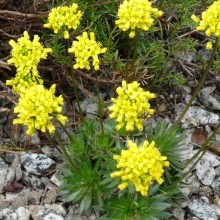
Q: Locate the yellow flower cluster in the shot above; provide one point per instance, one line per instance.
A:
(64, 18)
(37, 107)
(130, 106)
(134, 14)
(86, 48)
(210, 21)
(26, 55)
(140, 166)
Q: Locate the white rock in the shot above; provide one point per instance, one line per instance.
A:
(216, 184)
(36, 164)
(178, 213)
(217, 209)
(32, 180)
(202, 210)
(207, 99)
(3, 174)
(56, 179)
(202, 116)
(8, 214)
(53, 216)
(22, 213)
(17, 167)
(212, 158)
(205, 172)
(38, 211)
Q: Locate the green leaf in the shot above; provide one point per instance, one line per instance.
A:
(85, 203)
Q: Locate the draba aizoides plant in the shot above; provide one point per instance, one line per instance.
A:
(122, 167)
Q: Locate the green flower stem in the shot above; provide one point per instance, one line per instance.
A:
(74, 83)
(133, 49)
(203, 148)
(52, 141)
(65, 130)
(100, 107)
(110, 37)
(198, 88)
(134, 198)
(66, 154)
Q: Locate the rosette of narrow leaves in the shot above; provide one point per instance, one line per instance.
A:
(64, 18)
(209, 23)
(136, 14)
(171, 144)
(130, 106)
(128, 206)
(89, 149)
(85, 48)
(37, 107)
(140, 166)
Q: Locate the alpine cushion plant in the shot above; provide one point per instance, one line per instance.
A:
(37, 107)
(26, 55)
(140, 166)
(85, 48)
(61, 19)
(130, 105)
(210, 21)
(136, 14)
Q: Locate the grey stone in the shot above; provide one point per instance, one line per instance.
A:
(22, 213)
(17, 167)
(205, 172)
(178, 213)
(207, 99)
(202, 116)
(8, 214)
(53, 216)
(193, 183)
(201, 209)
(216, 184)
(56, 179)
(38, 212)
(32, 180)
(36, 164)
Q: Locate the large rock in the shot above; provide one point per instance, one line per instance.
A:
(37, 164)
(202, 209)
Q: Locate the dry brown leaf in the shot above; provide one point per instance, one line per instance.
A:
(199, 135)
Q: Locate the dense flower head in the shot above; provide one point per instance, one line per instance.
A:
(26, 55)
(64, 18)
(134, 14)
(37, 107)
(131, 107)
(140, 166)
(21, 83)
(210, 22)
(85, 48)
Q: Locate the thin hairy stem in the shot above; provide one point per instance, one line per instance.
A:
(66, 154)
(74, 83)
(204, 148)
(100, 106)
(52, 141)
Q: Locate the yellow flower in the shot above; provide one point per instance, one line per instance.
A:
(209, 45)
(130, 106)
(37, 107)
(64, 18)
(86, 48)
(210, 20)
(26, 55)
(133, 14)
(140, 166)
